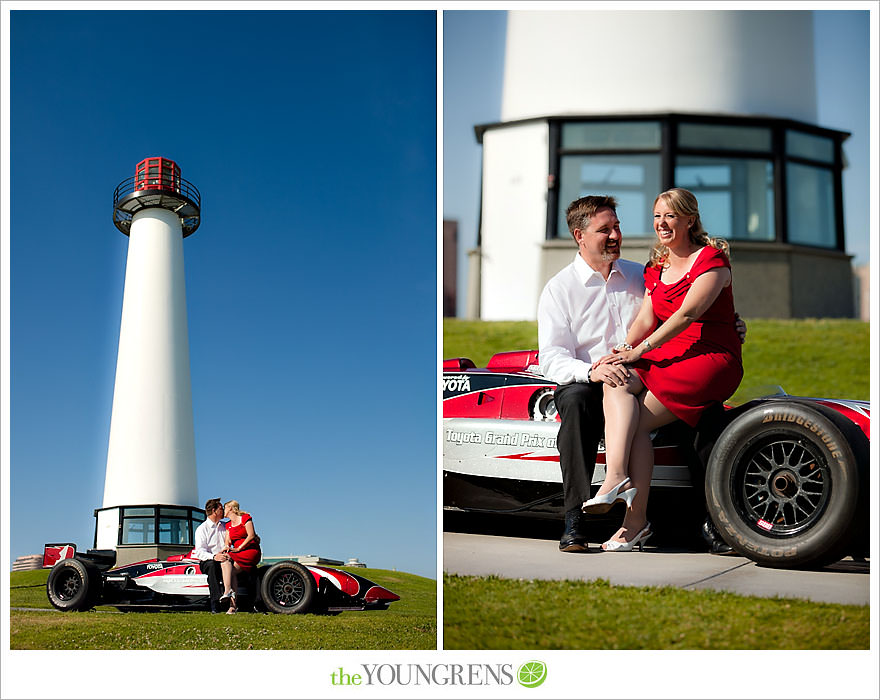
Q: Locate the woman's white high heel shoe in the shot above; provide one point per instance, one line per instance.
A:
(615, 546)
(602, 504)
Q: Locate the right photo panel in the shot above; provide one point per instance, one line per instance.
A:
(656, 335)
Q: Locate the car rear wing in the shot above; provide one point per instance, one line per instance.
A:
(59, 551)
(56, 551)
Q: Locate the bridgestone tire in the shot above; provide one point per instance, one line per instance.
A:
(288, 588)
(783, 486)
(73, 585)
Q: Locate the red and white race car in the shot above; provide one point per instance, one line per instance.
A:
(80, 581)
(785, 478)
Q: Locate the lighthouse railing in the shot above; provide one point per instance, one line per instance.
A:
(178, 185)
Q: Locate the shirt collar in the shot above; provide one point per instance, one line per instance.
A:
(586, 273)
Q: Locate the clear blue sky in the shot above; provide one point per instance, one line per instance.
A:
(473, 65)
(311, 284)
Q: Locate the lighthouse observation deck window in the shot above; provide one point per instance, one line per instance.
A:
(811, 204)
(758, 179)
(604, 136)
(605, 158)
(159, 525)
(736, 195)
(809, 146)
(138, 526)
(724, 136)
(633, 180)
(174, 526)
(811, 208)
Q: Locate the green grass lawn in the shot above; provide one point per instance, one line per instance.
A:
(410, 623)
(811, 357)
(517, 614)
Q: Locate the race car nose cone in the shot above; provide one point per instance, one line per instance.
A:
(377, 593)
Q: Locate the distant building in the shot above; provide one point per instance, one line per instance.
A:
(863, 291)
(28, 562)
(450, 266)
(597, 102)
(312, 559)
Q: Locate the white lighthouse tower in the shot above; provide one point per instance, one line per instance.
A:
(150, 489)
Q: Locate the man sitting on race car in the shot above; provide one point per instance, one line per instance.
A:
(583, 312)
(210, 541)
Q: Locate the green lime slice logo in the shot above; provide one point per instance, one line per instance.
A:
(531, 674)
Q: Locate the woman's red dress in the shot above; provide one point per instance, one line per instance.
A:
(247, 558)
(702, 365)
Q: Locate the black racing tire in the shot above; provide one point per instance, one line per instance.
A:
(783, 486)
(73, 585)
(288, 588)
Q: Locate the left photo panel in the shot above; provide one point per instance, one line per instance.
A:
(222, 330)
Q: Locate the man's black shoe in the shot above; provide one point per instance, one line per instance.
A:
(573, 539)
(712, 538)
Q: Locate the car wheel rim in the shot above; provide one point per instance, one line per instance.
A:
(288, 589)
(67, 586)
(782, 486)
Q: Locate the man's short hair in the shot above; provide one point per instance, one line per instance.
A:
(580, 211)
(211, 505)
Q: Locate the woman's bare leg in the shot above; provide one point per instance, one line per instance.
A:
(235, 569)
(652, 415)
(226, 568)
(621, 407)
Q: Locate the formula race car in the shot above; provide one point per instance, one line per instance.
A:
(80, 581)
(784, 479)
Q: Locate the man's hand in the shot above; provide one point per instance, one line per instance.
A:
(610, 374)
(740, 328)
(220, 556)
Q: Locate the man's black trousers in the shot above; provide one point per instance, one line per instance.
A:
(211, 569)
(583, 425)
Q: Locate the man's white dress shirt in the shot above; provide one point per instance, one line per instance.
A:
(210, 539)
(582, 316)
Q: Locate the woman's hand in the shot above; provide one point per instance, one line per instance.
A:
(621, 357)
(627, 357)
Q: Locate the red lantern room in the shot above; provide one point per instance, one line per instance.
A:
(157, 184)
(157, 174)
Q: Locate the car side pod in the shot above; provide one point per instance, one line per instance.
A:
(377, 594)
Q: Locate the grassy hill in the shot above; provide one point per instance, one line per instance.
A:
(410, 623)
(809, 357)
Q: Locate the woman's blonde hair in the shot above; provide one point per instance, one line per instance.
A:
(233, 505)
(684, 203)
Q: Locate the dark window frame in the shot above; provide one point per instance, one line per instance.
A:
(669, 151)
(156, 508)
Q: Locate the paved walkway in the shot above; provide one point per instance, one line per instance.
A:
(513, 557)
